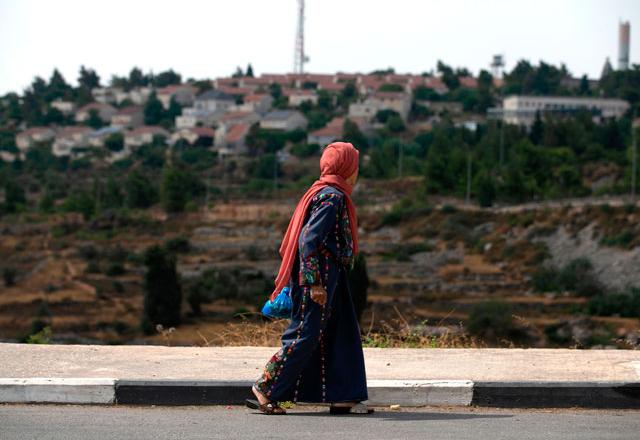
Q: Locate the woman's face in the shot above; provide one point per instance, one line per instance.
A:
(352, 178)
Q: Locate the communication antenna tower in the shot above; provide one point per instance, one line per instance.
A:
(299, 57)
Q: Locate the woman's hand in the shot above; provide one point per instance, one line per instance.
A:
(319, 294)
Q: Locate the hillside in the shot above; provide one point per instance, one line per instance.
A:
(441, 273)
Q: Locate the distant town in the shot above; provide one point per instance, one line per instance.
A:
(220, 113)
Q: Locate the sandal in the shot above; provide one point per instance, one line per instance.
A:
(358, 408)
(266, 408)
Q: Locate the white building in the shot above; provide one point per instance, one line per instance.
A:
(65, 107)
(255, 103)
(105, 112)
(106, 95)
(397, 101)
(69, 138)
(200, 136)
(286, 120)
(521, 110)
(226, 123)
(34, 135)
(128, 117)
(207, 109)
(143, 135)
(298, 96)
(183, 94)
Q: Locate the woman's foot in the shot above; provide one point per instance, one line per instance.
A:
(264, 404)
(262, 399)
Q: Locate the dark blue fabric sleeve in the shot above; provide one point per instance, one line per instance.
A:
(325, 211)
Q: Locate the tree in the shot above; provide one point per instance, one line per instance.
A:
(486, 189)
(140, 193)
(249, 72)
(113, 197)
(88, 78)
(94, 120)
(449, 77)
(162, 290)
(46, 203)
(14, 197)
(238, 73)
(54, 116)
(167, 78)
(584, 88)
(264, 167)
(325, 100)
(351, 133)
(114, 142)
(395, 124)
(57, 87)
(81, 201)
(537, 129)
(137, 78)
(153, 110)
(175, 109)
(178, 187)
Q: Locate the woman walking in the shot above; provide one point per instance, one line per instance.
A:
(321, 357)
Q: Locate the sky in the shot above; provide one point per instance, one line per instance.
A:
(209, 38)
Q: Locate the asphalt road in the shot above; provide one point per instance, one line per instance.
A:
(72, 422)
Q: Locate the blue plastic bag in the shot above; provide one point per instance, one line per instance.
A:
(281, 305)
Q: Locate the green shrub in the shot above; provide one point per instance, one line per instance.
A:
(178, 245)
(448, 209)
(577, 276)
(211, 285)
(545, 279)
(406, 208)
(42, 336)
(492, 320)
(305, 150)
(623, 240)
(92, 267)
(9, 275)
(115, 269)
(621, 304)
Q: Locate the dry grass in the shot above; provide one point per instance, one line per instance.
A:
(395, 333)
(246, 332)
(398, 333)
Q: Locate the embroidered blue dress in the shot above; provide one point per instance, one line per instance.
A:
(321, 358)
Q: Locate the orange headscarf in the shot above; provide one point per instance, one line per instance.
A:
(338, 162)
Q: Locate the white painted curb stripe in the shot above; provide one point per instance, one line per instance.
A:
(57, 390)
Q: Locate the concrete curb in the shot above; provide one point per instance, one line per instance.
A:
(530, 394)
(592, 394)
(57, 390)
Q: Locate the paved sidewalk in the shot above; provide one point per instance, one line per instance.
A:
(201, 375)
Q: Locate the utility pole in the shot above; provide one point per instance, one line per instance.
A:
(634, 157)
(502, 142)
(206, 198)
(468, 195)
(275, 172)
